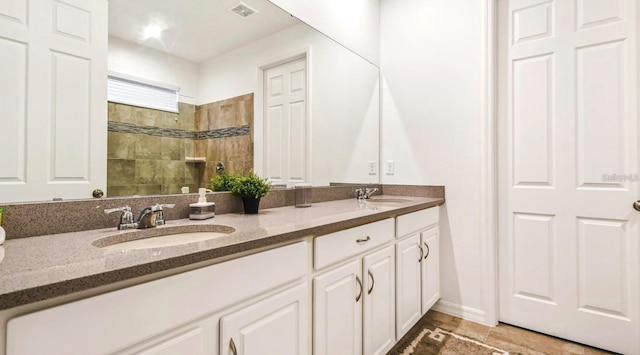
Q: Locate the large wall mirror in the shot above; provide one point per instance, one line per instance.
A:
(258, 89)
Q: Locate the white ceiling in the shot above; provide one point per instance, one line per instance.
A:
(195, 30)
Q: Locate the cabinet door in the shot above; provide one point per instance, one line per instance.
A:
(430, 269)
(408, 301)
(275, 326)
(337, 311)
(379, 331)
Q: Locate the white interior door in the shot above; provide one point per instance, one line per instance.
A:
(569, 170)
(285, 123)
(53, 99)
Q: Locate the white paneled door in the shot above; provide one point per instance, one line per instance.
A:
(53, 99)
(568, 130)
(285, 126)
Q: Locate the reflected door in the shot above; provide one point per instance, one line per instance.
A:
(53, 100)
(569, 170)
(285, 126)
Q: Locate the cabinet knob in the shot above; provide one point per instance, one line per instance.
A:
(232, 345)
(636, 205)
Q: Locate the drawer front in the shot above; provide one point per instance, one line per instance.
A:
(415, 221)
(334, 247)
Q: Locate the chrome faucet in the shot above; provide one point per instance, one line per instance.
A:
(149, 217)
(365, 193)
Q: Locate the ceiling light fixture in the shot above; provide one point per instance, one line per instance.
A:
(152, 31)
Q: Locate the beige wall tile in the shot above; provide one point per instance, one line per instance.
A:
(127, 190)
(148, 147)
(148, 172)
(172, 172)
(144, 116)
(227, 116)
(172, 148)
(121, 145)
(148, 189)
(121, 113)
(120, 172)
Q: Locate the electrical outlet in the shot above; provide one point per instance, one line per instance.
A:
(372, 168)
(390, 167)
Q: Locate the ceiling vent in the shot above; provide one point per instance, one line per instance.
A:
(243, 10)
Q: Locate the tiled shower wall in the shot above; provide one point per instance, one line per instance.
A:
(229, 127)
(147, 148)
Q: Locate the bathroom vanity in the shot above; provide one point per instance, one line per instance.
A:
(341, 277)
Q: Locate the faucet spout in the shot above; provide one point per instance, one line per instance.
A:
(365, 193)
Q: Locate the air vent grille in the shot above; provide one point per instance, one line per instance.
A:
(243, 10)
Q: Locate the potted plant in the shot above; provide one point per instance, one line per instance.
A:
(222, 182)
(251, 188)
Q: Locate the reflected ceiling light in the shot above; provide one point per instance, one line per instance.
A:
(152, 31)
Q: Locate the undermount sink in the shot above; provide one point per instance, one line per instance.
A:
(162, 237)
(388, 200)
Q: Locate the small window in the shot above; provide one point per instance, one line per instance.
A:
(138, 92)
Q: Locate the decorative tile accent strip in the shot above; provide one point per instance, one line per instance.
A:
(178, 133)
(224, 132)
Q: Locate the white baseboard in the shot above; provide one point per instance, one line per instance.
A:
(460, 311)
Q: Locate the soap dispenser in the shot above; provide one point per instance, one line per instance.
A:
(202, 209)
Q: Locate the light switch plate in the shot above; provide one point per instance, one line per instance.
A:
(372, 167)
(389, 167)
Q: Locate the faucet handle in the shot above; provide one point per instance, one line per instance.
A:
(127, 215)
(159, 206)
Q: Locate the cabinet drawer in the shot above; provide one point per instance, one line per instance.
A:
(415, 221)
(331, 248)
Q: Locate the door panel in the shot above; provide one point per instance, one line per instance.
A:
(568, 170)
(408, 284)
(285, 154)
(275, 326)
(337, 311)
(430, 268)
(54, 99)
(379, 329)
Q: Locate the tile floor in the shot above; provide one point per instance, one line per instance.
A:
(509, 338)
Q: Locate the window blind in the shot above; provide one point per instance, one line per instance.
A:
(136, 92)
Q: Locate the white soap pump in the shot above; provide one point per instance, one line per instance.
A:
(202, 209)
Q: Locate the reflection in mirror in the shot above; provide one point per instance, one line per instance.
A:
(263, 92)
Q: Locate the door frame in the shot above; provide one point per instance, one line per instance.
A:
(489, 164)
(258, 107)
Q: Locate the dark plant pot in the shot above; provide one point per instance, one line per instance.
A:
(251, 205)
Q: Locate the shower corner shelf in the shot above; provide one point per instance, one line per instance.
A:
(195, 159)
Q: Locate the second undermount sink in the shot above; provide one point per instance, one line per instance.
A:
(388, 200)
(162, 237)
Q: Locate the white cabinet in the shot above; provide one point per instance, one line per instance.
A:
(354, 306)
(379, 301)
(408, 284)
(153, 315)
(418, 278)
(274, 326)
(417, 268)
(363, 284)
(430, 268)
(337, 311)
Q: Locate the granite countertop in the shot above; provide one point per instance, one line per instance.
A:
(44, 267)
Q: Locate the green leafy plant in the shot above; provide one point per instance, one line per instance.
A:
(250, 185)
(222, 182)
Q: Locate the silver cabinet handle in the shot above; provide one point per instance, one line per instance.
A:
(636, 205)
(421, 253)
(232, 345)
(363, 240)
(426, 245)
(359, 284)
(373, 282)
